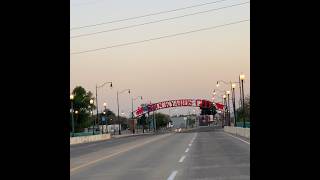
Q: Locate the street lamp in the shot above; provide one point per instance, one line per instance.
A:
(234, 104)
(133, 99)
(111, 122)
(118, 106)
(76, 112)
(242, 77)
(225, 109)
(233, 85)
(71, 99)
(228, 102)
(91, 107)
(97, 118)
(104, 114)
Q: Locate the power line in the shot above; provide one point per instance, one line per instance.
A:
(161, 20)
(152, 39)
(146, 15)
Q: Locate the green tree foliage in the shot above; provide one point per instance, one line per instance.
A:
(246, 113)
(142, 122)
(81, 103)
(109, 115)
(162, 120)
(209, 111)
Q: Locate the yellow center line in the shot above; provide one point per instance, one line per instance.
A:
(116, 153)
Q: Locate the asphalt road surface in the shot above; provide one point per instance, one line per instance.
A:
(204, 153)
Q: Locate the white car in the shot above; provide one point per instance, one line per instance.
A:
(178, 130)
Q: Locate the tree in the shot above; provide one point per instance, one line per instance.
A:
(162, 120)
(142, 121)
(244, 113)
(208, 110)
(81, 103)
(109, 115)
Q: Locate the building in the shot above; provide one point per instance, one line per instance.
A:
(183, 121)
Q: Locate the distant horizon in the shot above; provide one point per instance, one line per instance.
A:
(178, 67)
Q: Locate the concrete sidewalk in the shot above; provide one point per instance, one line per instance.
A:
(128, 135)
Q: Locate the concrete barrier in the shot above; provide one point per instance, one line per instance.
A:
(85, 139)
(244, 132)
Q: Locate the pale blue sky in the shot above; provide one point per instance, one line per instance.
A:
(186, 66)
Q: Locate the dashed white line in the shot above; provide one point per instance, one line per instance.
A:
(237, 138)
(172, 175)
(186, 150)
(116, 153)
(182, 158)
(190, 144)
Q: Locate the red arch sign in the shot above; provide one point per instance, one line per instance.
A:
(202, 103)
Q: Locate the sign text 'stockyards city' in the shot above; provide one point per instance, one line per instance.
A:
(202, 103)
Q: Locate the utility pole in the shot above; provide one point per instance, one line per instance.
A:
(97, 118)
(154, 121)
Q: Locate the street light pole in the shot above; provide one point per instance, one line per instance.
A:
(243, 108)
(104, 112)
(118, 119)
(225, 109)
(71, 98)
(240, 97)
(91, 111)
(233, 95)
(118, 111)
(228, 103)
(97, 118)
(154, 121)
(234, 105)
(76, 112)
(133, 131)
(132, 99)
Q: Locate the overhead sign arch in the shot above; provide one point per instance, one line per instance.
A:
(201, 103)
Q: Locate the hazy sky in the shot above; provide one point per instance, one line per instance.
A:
(186, 66)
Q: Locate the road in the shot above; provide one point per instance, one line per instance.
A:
(204, 153)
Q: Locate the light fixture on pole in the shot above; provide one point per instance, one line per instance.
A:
(118, 107)
(132, 115)
(93, 123)
(234, 103)
(228, 102)
(233, 85)
(225, 109)
(71, 99)
(76, 112)
(242, 77)
(104, 114)
(97, 118)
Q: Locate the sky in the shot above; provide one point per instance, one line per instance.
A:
(186, 66)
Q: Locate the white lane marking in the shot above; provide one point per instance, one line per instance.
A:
(186, 150)
(237, 138)
(116, 153)
(182, 158)
(172, 175)
(190, 144)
